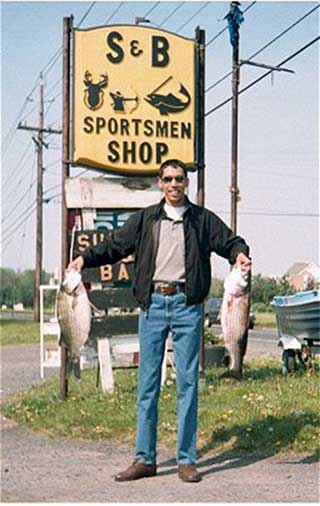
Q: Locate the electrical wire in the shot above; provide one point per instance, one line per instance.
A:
(180, 4)
(12, 128)
(45, 70)
(23, 235)
(263, 76)
(151, 10)
(113, 13)
(19, 225)
(86, 14)
(18, 166)
(16, 204)
(213, 85)
(23, 215)
(282, 214)
(193, 16)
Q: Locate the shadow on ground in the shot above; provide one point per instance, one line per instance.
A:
(283, 434)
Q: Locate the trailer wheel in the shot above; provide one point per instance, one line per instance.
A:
(288, 361)
(304, 356)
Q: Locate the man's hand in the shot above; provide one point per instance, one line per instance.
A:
(243, 261)
(76, 264)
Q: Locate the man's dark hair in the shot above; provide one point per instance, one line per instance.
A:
(176, 164)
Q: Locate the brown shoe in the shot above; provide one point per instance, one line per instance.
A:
(189, 473)
(136, 471)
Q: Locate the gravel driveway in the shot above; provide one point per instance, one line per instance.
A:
(36, 468)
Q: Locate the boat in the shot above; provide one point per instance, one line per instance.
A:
(299, 315)
(298, 322)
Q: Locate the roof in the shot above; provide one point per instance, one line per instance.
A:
(296, 268)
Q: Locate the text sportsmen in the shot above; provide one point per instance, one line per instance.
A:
(137, 127)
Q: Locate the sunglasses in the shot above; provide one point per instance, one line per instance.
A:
(169, 179)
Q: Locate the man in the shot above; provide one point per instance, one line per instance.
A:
(172, 243)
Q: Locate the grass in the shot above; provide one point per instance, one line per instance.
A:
(19, 332)
(265, 320)
(266, 412)
(28, 332)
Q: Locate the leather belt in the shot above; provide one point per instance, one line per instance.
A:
(168, 288)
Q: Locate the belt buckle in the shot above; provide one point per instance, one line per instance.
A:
(168, 289)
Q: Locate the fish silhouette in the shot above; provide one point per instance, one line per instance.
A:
(169, 103)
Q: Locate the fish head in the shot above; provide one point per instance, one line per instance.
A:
(238, 280)
(71, 280)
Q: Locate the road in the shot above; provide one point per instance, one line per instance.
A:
(36, 468)
(21, 364)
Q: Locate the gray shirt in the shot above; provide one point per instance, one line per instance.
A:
(170, 260)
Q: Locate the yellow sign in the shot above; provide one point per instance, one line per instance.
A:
(133, 99)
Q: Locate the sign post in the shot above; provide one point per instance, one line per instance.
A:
(200, 147)
(67, 27)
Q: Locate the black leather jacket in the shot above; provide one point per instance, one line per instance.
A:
(204, 233)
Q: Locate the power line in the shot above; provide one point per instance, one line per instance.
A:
(12, 127)
(263, 76)
(23, 236)
(113, 13)
(21, 223)
(16, 204)
(45, 70)
(180, 4)
(18, 166)
(226, 27)
(9, 228)
(13, 192)
(52, 188)
(284, 214)
(86, 14)
(48, 199)
(193, 16)
(51, 163)
(265, 46)
(151, 10)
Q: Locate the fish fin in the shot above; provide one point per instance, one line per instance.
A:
(184, 91)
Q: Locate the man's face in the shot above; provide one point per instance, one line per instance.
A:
(173, 183)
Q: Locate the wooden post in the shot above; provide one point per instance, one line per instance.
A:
(105, 364)
(67, 27)
(200, 146)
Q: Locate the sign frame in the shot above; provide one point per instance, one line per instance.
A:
(143, 172)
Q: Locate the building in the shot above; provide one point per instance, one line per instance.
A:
(303, 275)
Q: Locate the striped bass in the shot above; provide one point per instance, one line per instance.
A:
(74, 317)
(235, 317)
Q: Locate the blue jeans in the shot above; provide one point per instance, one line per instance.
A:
(168, 313)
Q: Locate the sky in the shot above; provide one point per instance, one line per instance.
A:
(278, 213)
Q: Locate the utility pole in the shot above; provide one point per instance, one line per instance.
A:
(234, 18)
(234, 190)
(39, 143)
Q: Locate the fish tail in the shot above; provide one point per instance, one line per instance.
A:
(74, 367)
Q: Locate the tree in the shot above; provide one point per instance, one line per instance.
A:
(8, 287)
(19, 286)
(264, 289)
